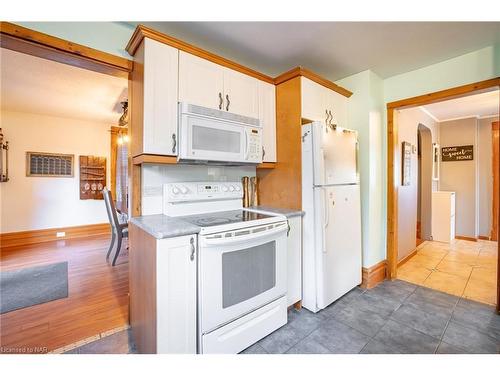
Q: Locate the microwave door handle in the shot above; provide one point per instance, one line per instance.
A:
(247, 148)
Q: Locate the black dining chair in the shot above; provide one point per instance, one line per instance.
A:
(119, 230)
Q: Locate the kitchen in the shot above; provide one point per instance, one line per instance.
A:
(260, 214)
(207, 273)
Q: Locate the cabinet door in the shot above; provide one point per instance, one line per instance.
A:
(160, 98)
(267, 117)
(176, 295)
(294, 260)
(241, 93)
(314, 100)
(338, 105)
(200, 81)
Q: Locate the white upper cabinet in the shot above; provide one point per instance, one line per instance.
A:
(322, 104)
(201, 82)
(337, 104)
(267, 117)
(241, 93)
(210, 85)
(160, 63)
(314, 98)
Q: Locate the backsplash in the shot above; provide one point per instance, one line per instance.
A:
(154, 176)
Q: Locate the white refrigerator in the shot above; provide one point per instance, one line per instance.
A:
(332, 220)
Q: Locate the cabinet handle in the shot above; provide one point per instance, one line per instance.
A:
(221, 101)
(191, 241)
(288, 231)
(334, 126)
(228, 102)
(327, 116)
(174, 143)
(263, 152)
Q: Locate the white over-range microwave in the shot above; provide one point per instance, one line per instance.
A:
(210, 135)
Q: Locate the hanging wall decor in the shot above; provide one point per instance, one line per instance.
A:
(92, 177)
(406, 164)
(457, 153)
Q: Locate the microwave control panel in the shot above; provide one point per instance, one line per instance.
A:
(254, 153)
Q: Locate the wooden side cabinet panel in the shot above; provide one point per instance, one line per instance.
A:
(176, 295)
(241, 93)
(201, 82)
(160, 98)
(294, 265)
(267, 117)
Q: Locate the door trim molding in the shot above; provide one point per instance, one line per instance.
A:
(392, 150)
(35, 43)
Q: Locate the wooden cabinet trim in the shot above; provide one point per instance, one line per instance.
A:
(142, 32)
(153, 159)
(300, 71)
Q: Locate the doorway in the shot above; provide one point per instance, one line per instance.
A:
(394, 173)
(92, 285)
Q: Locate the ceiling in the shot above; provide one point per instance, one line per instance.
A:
(36, 85)
(336, 49)
(479, 105)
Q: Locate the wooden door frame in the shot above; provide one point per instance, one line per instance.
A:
(392, 156)
(495, 126)
(31, 42)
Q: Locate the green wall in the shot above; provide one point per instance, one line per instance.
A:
(111, 37)
(371, 95)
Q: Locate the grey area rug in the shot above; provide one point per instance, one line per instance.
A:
(32, 286)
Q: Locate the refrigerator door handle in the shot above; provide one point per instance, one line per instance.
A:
(326, 220)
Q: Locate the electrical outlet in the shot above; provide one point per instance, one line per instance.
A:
(60, 234)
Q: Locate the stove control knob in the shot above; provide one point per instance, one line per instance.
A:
(184, 190)
(224, 188)
(231, 188)
(175, 190)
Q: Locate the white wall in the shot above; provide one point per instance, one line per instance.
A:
(407, 121)
(29, 203)
(154, 176)
(461, 176)
(485, 175)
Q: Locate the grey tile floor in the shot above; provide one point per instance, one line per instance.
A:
(394, 317)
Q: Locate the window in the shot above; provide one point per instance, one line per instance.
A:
(49, 165)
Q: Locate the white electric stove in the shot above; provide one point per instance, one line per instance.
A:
(241, 266)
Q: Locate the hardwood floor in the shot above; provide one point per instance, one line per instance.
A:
(97, 301)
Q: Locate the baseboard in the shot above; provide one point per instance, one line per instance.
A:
(483, 238)
(408, 257)
(373, 275)
(30, 237)
(466, 238)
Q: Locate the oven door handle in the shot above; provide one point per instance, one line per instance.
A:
(244, 238)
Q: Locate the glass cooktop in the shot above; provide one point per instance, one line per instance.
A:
(225, 217)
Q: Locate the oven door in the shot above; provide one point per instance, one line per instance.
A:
(211, 139)
(240, 271)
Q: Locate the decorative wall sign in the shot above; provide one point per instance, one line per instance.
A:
(92, 177)
(457, 153)
(406, 164)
